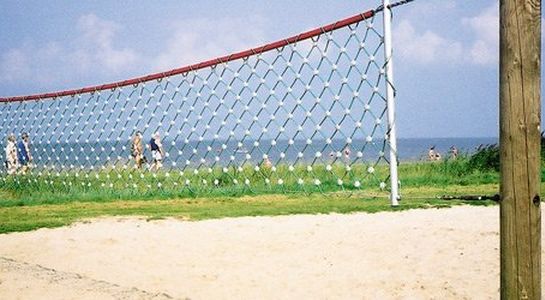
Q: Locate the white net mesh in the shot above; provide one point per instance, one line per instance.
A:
(308, 115)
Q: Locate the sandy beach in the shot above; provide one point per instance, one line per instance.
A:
(418, 254)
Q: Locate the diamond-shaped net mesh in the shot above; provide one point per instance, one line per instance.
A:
(306, 115)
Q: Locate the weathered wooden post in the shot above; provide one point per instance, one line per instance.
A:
(520, 95)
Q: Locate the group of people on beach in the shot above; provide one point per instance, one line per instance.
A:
(18, 154)
(346, 153)
(434, 155)
(154, 145)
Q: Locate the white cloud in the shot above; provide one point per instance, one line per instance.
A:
(424, 48)
(421, 38)
(97, 30)
(14, 65)
(483, 53)
(421, 35)
(485, 49)
(53, 64)
(196, 40)
(94, 55)
(96, 45)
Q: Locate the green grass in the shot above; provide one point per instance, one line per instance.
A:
(32, 202)
(113, 185)
(54, 215)
(129, 184)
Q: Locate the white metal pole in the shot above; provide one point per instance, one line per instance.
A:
(390, 100)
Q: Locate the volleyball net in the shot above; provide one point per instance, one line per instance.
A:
(305, 113)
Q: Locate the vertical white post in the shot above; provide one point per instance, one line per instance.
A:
(390, 100)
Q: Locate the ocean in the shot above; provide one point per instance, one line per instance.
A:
(230, 152)
(411, 149)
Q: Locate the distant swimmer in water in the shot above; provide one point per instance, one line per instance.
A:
(241, 151)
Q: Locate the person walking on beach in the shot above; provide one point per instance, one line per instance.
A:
(11, 155)
(137, 150)
(23, 153)
(433, 155)
(347, 153)
(157, 152)
(267, 164)
(453, 152)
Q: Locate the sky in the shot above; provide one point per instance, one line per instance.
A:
(445, 51)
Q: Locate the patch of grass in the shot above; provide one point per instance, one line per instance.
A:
(46, 201)
(444, 173)
(113, 185)
(54, 215)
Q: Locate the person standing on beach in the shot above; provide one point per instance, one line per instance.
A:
(453, 152)
(23, 153)
(267, 164)
(433, 155)
(157, 152)
(347, 153)
(11, 155)
(137, 150)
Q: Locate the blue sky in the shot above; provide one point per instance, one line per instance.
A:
(446, 51)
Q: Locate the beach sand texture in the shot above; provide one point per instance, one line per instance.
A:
(418, 254)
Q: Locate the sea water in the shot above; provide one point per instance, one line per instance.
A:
(236, 152)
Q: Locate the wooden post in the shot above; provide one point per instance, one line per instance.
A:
(520, 94)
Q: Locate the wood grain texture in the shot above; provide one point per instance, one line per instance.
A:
(520, 95)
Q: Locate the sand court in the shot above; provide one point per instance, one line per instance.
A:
(419, 254)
